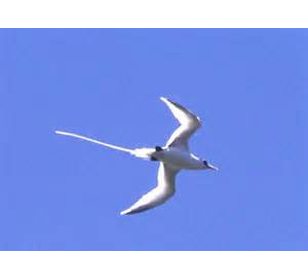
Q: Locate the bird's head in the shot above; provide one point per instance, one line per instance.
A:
(209, 166)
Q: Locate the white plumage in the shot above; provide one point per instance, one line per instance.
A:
(173, 157)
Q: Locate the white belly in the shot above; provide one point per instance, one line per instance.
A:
(179, 159)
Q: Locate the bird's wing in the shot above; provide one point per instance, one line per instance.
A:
(189, 123)
(164, 190)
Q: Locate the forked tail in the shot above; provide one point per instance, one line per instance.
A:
(144, 153)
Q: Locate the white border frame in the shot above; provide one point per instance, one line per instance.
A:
(159, 13)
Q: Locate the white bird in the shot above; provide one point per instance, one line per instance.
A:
(173, 157)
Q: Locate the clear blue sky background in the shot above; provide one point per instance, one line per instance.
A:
(250, 87)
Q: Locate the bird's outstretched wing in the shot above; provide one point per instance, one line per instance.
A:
(164, 190)
(189, 123)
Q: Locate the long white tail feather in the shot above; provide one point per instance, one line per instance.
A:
(144, 153)
(95, 141)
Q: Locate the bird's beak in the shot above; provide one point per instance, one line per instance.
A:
(212, 167)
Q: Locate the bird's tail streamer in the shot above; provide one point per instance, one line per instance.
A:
(144, 153)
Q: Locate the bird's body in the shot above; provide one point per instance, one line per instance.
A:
(178, 158)
(173, 157)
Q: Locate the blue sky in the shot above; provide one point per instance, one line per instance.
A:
(249, 86)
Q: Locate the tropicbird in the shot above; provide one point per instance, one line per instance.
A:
(173, 157)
